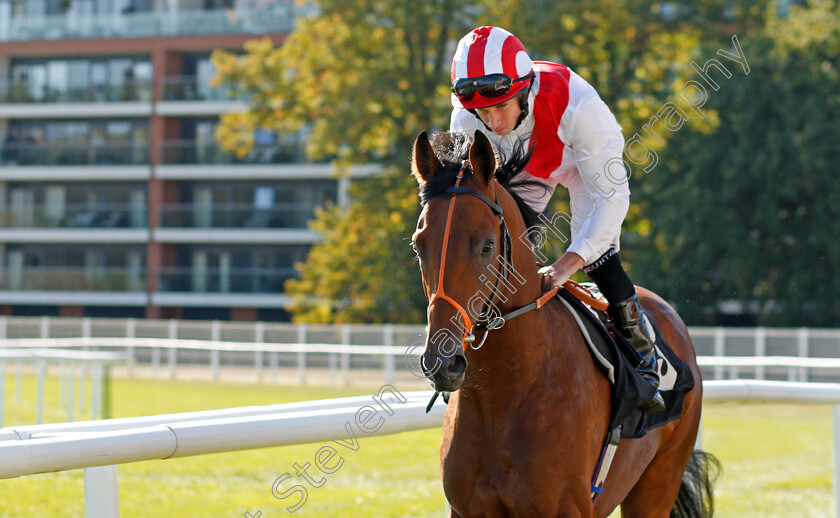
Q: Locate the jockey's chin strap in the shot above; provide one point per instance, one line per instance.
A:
(483, 321)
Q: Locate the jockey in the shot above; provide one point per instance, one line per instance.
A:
(575, 140)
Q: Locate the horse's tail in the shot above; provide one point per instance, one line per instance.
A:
(696, 497)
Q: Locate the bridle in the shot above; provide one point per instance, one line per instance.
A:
(483, 321)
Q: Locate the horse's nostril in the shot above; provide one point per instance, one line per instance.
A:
(456, 365)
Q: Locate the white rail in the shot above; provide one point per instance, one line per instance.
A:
(46, 448)
(76, 363)
(74, 367)
(797, 367)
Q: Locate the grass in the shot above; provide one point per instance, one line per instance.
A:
(777, 462)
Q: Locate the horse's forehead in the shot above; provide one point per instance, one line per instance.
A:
(469, 212)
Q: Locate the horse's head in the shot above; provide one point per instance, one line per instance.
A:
(465, 250)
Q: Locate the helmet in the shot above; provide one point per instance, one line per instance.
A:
(489, 67)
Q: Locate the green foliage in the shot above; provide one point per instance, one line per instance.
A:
(746, 212)
(631, 51)
(368, 76)
(364, 270)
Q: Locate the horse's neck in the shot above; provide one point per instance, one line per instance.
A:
(517, 357)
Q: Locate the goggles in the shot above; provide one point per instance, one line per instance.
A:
(489, 86)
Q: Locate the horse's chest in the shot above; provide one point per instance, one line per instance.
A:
(501, 476)
(525, 464)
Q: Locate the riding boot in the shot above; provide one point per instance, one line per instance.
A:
(630, 317)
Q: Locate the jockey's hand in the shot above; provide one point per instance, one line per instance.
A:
(559, 272)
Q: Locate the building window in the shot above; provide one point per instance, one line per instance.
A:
(80, 80)
(75, 205)
(118, 142)
(74, 268)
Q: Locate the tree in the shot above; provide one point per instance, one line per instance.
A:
(631, 51)
(363, 271)
(368, 76)
(747, 211)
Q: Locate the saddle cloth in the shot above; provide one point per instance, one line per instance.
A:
(612, 350)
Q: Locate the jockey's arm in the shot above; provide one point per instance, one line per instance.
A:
(598, 144)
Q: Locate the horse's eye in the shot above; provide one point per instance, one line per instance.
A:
(414, 246)
(487, 249)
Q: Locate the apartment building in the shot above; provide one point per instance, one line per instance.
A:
(115, 199)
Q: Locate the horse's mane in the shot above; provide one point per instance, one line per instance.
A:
(453, 148)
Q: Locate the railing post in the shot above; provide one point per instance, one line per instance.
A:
(4, 326)
(804, 352)
(39, 404)
(86, 332)
(345, 356)
(301, 356)
(259, 357)
(273, 362)
(215, 354)
(155, 361)
(106, 391)
(80, 379)
(720, 350)
(173, 361)
(130, 332)
(96, 391)
(71, 396)
(18, 382)
(102, 494)
(45, 327)
(390, 361)
(62, 385)
(760, 349)
(333, 364)
(173, 351)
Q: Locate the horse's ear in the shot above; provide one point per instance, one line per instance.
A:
(482, 158)
(424, 162)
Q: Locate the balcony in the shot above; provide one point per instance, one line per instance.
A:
(184, 152)
(281, 215)
(126, 91)
(269, 18)
(69, 279)
(75, 216)
(14, 154)
(190, 88)
(225, 280)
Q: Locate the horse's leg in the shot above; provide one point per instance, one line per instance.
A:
(654, 494)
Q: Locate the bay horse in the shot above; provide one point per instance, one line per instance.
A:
(529, 409)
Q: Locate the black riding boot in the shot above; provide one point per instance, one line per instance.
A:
(629, 315)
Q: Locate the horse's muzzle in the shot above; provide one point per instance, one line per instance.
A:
(445, 372)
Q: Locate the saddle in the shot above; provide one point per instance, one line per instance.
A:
(617, 360)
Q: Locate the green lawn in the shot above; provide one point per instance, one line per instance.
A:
(777, 461)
